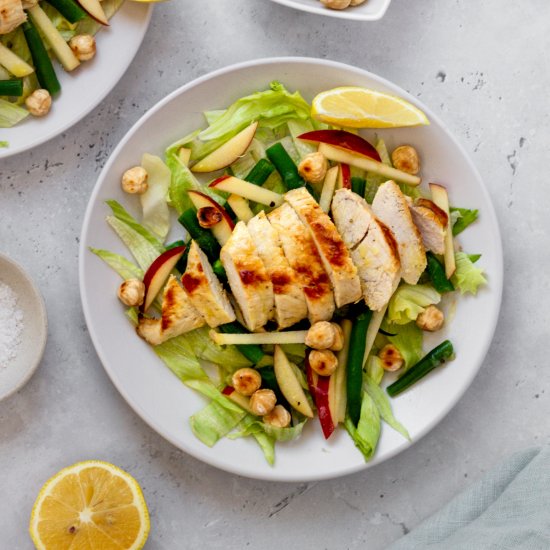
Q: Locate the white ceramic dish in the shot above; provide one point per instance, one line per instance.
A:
(165, 403)
(84, 89)
(18, 371)
(371, 10)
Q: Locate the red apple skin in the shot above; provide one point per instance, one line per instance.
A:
(346, 175)
(343, 139)
(318, 386)
(214, 204)
(103, 22)
(156, 265)
(228, 390)
(218, 180)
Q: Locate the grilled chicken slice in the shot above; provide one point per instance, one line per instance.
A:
(372, 246)
(432, 223)
(303, 257)
(332, 250)
(391, 208)
(204, 290)
(178, 316)
(11, 15)
(290, 302)
(248, 278)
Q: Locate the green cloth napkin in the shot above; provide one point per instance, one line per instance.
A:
(509, 508)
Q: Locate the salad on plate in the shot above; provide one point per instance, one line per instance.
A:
(32, 35)
(287, 268)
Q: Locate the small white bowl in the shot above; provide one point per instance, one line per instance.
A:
(18, 371)
(371, 10)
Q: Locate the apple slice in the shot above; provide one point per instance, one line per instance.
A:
(222, 230)
(344, 176)
(329, 186)
(319, 387)
(237, 398)
(441, 199)
(250, 191)
(184, 155)
(95, 10)
(157, 274)
(337, 391)
(228, 153)
(337, 154)
(289, 383)
(343, 139)
(240, 206)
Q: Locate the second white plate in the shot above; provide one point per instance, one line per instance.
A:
(84, 89)
(371, 10)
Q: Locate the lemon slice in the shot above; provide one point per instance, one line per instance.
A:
(356, 107)
(91, 505)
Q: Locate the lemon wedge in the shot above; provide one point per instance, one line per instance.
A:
(90, 505)
(357, 107)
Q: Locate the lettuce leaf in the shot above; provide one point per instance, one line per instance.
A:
(467, 278)
(265, 441)
(374, 368)
(461, 218)
(120, 213)
(125, 268)
(183, 180)
(156, 215)
(214, 422)
(143, 251)
(271, 108)
(383, 405)
(408, 340)
(409, 301)
(11, 114)
(367, 433)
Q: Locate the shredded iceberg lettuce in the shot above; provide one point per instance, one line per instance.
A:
(156, 215)
(214, 422)
(408, 340)
(383, 405)
(461, 218)
(11, 114)
(367, 433)
(409, 301)
(467, 277)
(125, 268)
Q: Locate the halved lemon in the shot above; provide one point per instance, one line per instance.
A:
(357, 107)
(90, 505)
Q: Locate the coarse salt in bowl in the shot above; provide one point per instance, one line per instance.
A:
(23, 327)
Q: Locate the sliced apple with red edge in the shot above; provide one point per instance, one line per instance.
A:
(250, 191)
(237, 398)
(228, 153)
(343, 139)
(158, 273)
(222, 230)
(95, 10)
(289, 384)
(319, 388)
(344, 176)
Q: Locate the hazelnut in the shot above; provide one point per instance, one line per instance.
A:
(83, 46)
(405, 158)
(391, 357)
(313, 168)
(278, 417)
(262, 402)
(323, 362)
(208, 216)
(431, 319)
(134, 180)
(131, 292)
(39, 102)
(246, 381)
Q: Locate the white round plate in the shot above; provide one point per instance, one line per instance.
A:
(87, 86)
(18, 371)
(371, 10)
(164, 402)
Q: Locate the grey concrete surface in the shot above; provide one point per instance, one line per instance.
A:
(483, 67)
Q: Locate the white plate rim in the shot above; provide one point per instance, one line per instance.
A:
(496, 276)
(351, 14)
(66, 125)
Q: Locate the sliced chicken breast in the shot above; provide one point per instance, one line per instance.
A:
(205, 290)
(372, 246)
(304, 259)
(332, 250)
(178, 316)
(248, 278)
(391, 208)
(290, 302)
(432, 224)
